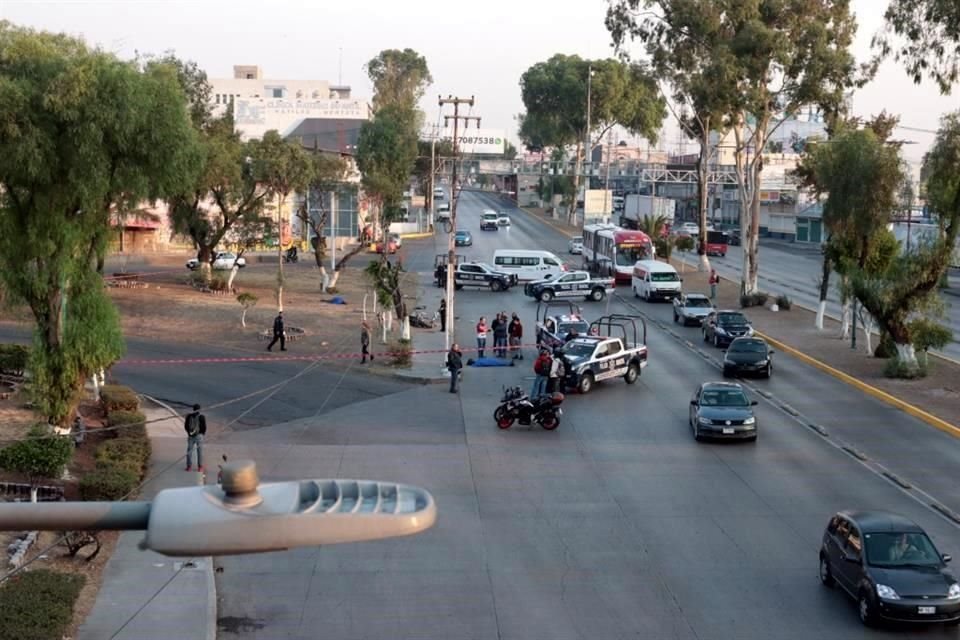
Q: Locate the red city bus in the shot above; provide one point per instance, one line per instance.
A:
(618, 247)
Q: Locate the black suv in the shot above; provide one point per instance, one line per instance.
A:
(889, 565)
(721, 327)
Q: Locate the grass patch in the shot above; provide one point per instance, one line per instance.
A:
(897, 368)
(38, 605)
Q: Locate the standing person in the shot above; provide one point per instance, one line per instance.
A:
(557, 372)
(79, 430)
(443, 315)
(481, 336)
(516, 337)
(365, 342)
(500, 335)
(454, 365)
(195, 424)
(495, 328)
(278, 333)
(541, 367)
(713, 280)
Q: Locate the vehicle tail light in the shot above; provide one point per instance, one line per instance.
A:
(557, 398)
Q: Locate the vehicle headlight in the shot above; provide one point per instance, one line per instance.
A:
(887, 593)
(763, 363)
(721, 330)
(704, 420)
(750, 420)
(954, 592)
(749, 331)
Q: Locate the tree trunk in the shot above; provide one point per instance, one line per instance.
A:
(703, 197)
(405, 328)
(577, 170)
(243, 318)
(233, 274)
(34, 492)
(384, 317)
(907, 355)
(824, 290)
(867, 322)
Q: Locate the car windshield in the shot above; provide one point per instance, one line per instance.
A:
(748, 346)
(731, 318)
(489, 216)
(577, 240)
(900, 549)
(724, 398)
(664, 277)
(580, 327)
(578, 349)
(697, 302)
(628, 256)
(484, 265)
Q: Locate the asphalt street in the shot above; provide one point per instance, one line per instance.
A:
(616, 525)
(794, 270)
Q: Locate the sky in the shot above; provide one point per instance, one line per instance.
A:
(478, 49)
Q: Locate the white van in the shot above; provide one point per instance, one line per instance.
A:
(443, 211)
(528, 264)
(654, 279)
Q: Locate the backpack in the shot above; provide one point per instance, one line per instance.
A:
(542, 366)
(193, 424)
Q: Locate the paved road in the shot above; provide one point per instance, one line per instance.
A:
(795, 271)
(617, 525)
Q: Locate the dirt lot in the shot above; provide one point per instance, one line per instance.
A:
(938, 393)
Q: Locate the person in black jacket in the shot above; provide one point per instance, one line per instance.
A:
(195, 425)
(278, 333)
(454, 365)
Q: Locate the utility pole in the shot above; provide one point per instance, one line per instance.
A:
(280, 254)
(587, 151)
(451, 230)
(607, 205)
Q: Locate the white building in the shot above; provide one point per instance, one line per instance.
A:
(248, 83)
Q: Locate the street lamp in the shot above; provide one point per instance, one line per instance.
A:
(243, 516)
(587, 150)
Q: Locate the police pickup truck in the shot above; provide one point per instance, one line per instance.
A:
(607, 353)
(479, 274)
(556, 321)
(574, 284)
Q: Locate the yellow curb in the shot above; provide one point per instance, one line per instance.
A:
(906, 407)
(541, 220)
(414, 236)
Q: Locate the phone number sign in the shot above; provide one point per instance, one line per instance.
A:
(477, 140)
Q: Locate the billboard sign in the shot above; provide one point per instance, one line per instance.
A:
(598, 202)
(471, 140)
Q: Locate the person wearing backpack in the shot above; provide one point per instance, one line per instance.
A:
(195, 424)
(541, 367)
(558, 371)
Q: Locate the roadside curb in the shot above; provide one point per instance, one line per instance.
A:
(211, 630)
(906, 407)
(405, 377)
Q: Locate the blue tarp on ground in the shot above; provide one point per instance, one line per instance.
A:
(337, 300)
(490, 362)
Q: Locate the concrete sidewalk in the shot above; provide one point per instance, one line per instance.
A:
(428, 344)
(145, 595)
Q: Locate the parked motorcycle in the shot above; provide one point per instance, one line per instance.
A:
(291, 255)
(517, 406)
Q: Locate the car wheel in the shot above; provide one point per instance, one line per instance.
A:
(458, 287)
(597, 295)
(826, 577)
(727, 373)
(769, 371)
(496, 285)
(503, 418)
(586, 383)
(633, 372)
(635, 294)
(696, 433)
(546, 295)
(676, 318)
(866, 609)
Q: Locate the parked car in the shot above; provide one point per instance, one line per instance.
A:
(503, 219)
(688, 228)
(222, 262)
(722, 410)
(575, 246)
(462, 238)
(721, 327)
(691, 308)
(733, 236)
(748, 356)
(889, 565)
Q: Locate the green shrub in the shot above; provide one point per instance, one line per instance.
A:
(13, 359)
(897, 368)
(198, 278)
(117, 397)
(400, 353)
(758, 299)
(38, 604)
(41, 456)
(107, 483)
(217, 283)
(129, 424)
(783, 302)
(886, 347)
(128, 453)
